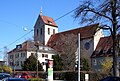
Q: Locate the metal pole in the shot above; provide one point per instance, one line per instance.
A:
(37, 58)
(78, 56)
(37, 48)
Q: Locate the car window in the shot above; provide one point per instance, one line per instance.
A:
(106, 79)
(4, 76)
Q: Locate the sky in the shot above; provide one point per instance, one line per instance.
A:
(18, 14)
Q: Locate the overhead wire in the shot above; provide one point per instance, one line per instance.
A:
(32, 29)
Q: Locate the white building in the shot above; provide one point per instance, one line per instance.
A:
(18, 55)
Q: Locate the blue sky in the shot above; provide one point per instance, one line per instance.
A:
(16, 14)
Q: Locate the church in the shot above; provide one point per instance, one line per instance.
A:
(51, 43)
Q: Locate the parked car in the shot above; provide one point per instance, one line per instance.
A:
(4, 75)
(25, 75)
(17, 75)
(111, 78)
(14, 79)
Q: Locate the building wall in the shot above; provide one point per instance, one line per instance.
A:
(18, 58)
(97, 37)
(87, 46)
(43, 36)
(47, 36)
(37, 30)
(97, 62)
(24, 55)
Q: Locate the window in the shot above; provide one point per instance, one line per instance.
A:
(17, 63)
(104, 51)
(111, 50)
(41, 31)
(11, 63)
(22, 54)
(94, 62)
(87, 45)
(22, 62)
(43, 63)
(17, 55)
(44, 55)
(18, 46)
(37, 32)
(11, 56)
(48, 30)
(49, 22)
(53, 31)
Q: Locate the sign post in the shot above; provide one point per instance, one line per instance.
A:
(50, 70)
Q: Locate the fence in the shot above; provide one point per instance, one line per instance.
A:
(69, 75)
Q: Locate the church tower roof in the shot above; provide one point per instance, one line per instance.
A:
(48, 21)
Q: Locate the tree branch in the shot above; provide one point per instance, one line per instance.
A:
(91, 10)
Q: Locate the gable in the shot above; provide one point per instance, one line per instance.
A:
(104, 44)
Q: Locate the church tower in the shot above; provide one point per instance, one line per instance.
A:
(44, 28)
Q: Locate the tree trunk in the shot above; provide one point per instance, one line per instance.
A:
(115, 64)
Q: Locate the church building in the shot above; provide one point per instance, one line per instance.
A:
(46, 33)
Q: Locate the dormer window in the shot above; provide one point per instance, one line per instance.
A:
(104, 51)
(49, 22)
(18, 46)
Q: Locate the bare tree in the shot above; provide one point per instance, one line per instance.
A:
(107, 12)
(68, 49)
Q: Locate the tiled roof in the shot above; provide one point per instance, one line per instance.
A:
(85, 32)
(104, 44)
(30, 46)
(48, 20)
(25, 46)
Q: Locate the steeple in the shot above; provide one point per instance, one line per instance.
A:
(41, 10)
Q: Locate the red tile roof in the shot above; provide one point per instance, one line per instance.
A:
(48, 21)
(104, 44)
(86, 32)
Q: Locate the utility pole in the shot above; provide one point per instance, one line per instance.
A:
(37, 48)
(78, 56)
